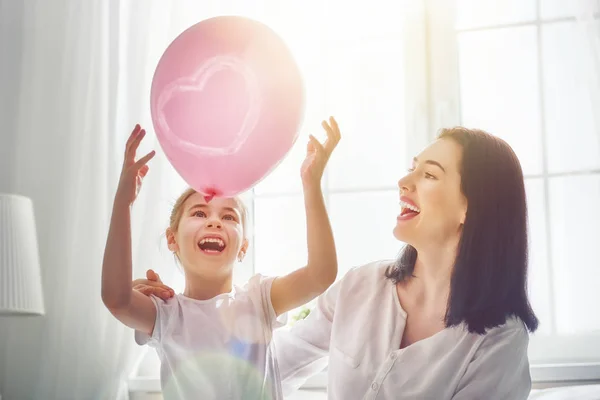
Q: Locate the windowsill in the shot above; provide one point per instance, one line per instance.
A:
(580, 372)
(541, 375)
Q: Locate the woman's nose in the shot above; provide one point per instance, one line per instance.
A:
(404, 184)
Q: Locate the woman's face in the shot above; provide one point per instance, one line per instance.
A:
(433, 207)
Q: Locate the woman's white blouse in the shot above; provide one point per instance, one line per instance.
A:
(356, 330)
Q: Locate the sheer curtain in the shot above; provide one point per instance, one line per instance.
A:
(76, 78)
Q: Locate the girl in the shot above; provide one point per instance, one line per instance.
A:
(214, 339)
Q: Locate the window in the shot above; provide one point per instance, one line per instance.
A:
(524, 70)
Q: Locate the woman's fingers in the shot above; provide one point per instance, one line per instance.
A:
(153, 276)
(139, 283)
(148, 290)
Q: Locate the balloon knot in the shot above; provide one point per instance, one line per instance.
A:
(209, 194)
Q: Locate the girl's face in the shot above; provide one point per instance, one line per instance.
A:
(210, 236)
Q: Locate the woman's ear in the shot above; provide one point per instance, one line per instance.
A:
(171, 240)
(463, 215)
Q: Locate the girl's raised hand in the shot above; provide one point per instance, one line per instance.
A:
(133, 171)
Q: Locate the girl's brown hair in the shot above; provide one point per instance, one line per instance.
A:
(177, 210)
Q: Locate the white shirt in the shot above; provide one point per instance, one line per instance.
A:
(219, 348)
(356, 330)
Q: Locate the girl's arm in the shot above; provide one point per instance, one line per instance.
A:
(304, 284)
(128, 306)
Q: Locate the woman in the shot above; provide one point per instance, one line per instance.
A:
(449, 319)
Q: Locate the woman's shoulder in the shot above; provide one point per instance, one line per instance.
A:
(374, 270)
(366, 277)
(512, 324)
(359, 280)
(512, 331)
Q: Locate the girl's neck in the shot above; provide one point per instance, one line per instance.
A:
(206, 287)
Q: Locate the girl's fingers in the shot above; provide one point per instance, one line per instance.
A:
(142, 161)
(333, 136)
(328, 129)
(315, 144)
(135, 144)
(144, 171)
(336, 129)
(132, 137)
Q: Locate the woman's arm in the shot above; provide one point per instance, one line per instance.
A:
(500, 368)
(303, 351)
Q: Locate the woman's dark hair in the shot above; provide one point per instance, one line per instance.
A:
(489, 278)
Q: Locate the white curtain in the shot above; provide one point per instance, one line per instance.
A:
(75, 79)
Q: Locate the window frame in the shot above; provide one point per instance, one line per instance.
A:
(445, 110)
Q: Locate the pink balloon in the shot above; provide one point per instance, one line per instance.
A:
(227, 101)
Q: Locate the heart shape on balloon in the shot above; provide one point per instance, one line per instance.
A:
(196, 85)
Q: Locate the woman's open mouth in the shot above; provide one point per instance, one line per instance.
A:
(408, 211)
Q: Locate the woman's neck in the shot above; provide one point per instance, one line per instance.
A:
(201, 287)
(432, 275)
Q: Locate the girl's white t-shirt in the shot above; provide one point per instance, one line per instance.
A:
(219, 348)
